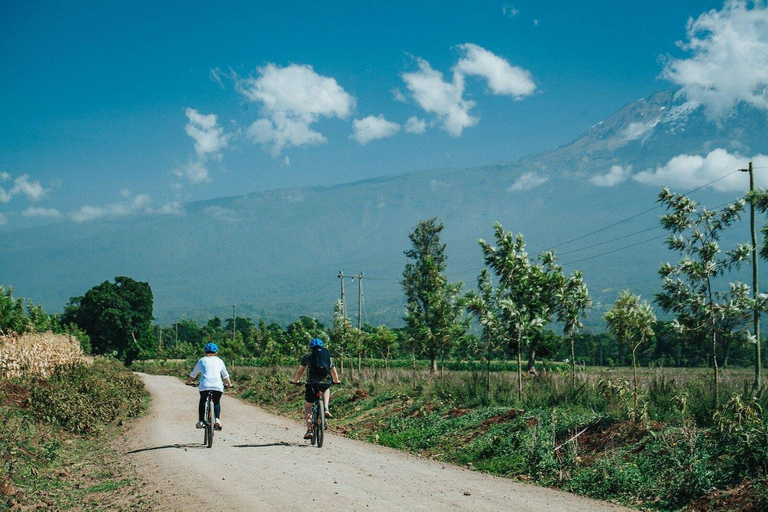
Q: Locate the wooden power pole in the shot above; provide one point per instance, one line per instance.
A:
(755, 291)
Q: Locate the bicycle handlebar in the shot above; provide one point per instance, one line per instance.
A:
(195, 385)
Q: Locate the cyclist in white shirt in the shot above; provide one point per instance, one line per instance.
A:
(211, 370)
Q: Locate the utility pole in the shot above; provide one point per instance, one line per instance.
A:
(755, 313)
(343, 307)
(234, 321)
(360, 301)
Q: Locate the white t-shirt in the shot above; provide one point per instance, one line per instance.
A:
(211, 370)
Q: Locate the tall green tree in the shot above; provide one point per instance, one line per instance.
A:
(484, 306)
(689, 287)
(341, 334)
(631, 321)
(573, 302)
(433, 305)
(116, 316)
(527, 292)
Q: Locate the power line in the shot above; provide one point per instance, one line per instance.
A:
(609, 241)
(615, 250)
(655, 207)
(640, 214)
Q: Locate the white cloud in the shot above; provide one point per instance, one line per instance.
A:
(729, 58)
(3, 219)
(502, 77)
(527, 181)
(292, 98)
(215, 75)
(415, 125)
(286, 160)
(196, 171)
(399, 96)
(221, 213)
(691, 171)
(446, 99)
(509, 10)
(209, 137)
(32, 190)
(172, 208)
(137, 204)
(32, 211)
(616, 175)
(372, 128)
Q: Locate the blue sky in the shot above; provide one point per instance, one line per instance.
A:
(113, 108)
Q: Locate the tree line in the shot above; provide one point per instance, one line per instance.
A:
(523, 307)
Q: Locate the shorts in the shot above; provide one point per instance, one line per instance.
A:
(310, 391)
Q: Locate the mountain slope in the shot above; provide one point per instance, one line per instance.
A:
(276, 254)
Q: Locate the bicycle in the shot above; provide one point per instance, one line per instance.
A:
(209, 419)
(318, 413)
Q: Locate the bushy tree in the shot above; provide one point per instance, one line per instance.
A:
(632, 322)
(573, 302)
(433, 305)
(526, 293)
(689, 288)
(116, 316)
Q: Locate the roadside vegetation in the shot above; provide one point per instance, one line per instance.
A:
(58, 407)
(663, 410)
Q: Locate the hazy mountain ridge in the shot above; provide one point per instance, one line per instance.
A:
(276, 253)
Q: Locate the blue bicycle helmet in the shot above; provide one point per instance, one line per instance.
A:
(211, 347)
(315, 342)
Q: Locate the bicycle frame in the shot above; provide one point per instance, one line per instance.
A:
(318, 416)
(209, 420)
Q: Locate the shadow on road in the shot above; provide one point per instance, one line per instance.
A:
(189, 445)
(281, 443)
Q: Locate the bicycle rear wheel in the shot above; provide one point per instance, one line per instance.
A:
(210, 421)
(314, 424)
(320, 423)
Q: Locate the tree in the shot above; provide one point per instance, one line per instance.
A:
(384, 341)
(632, 322)
(341, 335)
(573, 302)
(433, 305)
(116, 316)
(484, 306)
(689, 290)
(526, 294)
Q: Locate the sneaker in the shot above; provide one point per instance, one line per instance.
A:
(328, 414)
(217, 424)
(308, 435)
(200, 424)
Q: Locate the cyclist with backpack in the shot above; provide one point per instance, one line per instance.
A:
(320, 374)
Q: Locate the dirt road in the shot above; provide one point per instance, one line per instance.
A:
(259, 462)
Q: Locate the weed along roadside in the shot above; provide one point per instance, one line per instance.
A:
(60, 411)
(676, 453)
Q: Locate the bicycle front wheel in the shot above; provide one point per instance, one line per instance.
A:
(320, 423)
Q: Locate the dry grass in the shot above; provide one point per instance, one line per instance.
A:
(37, 353)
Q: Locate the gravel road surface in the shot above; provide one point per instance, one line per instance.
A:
(260, 462)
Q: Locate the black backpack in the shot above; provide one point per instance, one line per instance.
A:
(319, 363)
